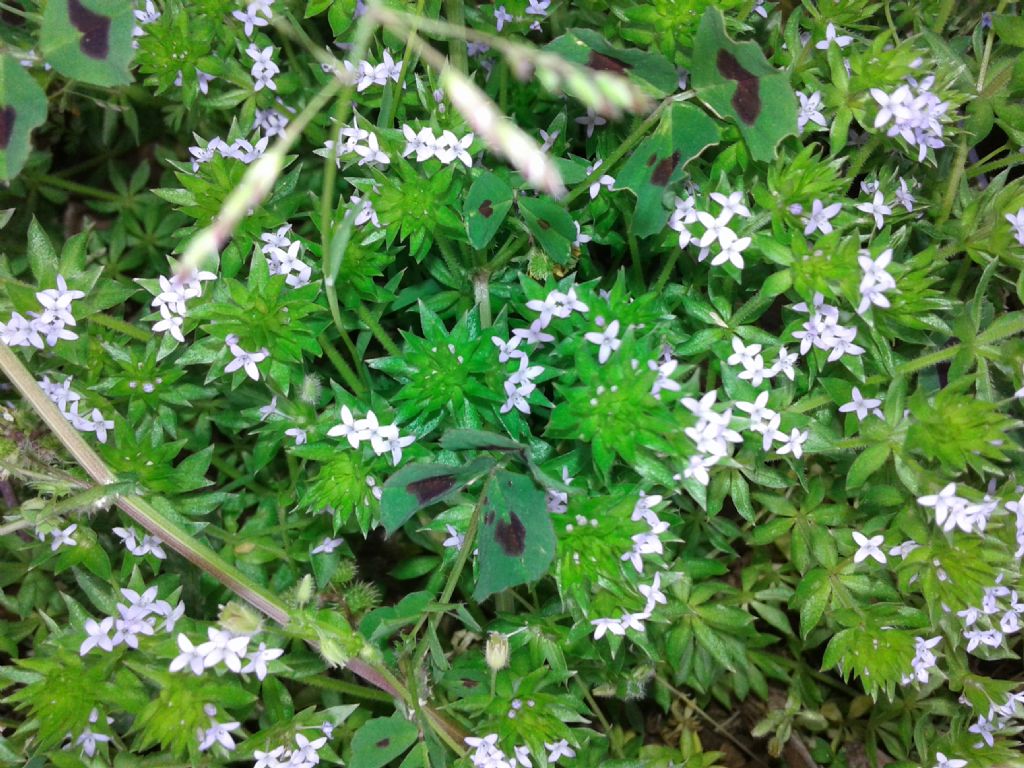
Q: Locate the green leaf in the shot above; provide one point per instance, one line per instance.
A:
(89, 40)
(517, 539)
(381, 740)
(419, 485)
(486, 207)
(736, 81)
(813, 593)
(1010, 29)
(865, 465)
(683, 133)
(42, 257)
(478, 440)
(589, 48)
(551, 225)
(22, 109)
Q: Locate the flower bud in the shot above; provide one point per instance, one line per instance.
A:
(496, 651)
(240, 619)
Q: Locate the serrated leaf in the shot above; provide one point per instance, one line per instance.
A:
(683, 133)
(550, 225)
(517, 539)
(89, 40)
(736, 81)
(22, 109)
(381, 740)
(487, 204)
(419, 485)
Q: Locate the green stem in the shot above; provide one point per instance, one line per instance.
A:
(342, 686)
(457, 47)
(378, 332)
(955, 174)
(343, 368)
(482, 294)
(79, 189)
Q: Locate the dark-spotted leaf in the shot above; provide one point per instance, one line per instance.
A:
(587, 47)
(89, 40)
(736, 81)
(683, 133)
(517, 539)
(381, 740)
(22, 109)
(487, 205)
(550, 225)
(478, 440)
(419, 485)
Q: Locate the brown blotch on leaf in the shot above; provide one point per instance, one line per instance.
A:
(95, 29)
(652, 160)
(747, 98)
(543, 224)
(468, 683)
(486, 210)
(430, 488)
(383, 743)
(663, 171)
(511, 536)
(7, 117)
(609, 63)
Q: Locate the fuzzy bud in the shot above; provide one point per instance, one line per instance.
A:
(311, 389)
(496, 651)
(240, 619)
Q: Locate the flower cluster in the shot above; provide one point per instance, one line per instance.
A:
(263, 70)
(915, 113)
(283, 256)
(304, 754)
(645, 543)
(149, 545)
(68, 402)
(487, 754)
(239, 149)
(171, 301)
(447, 147)
(223, 647)
(49, 325)
(137, 617)
(383, 438)
(824, 331)
(876, 281)
(349, 141)
(730, 245)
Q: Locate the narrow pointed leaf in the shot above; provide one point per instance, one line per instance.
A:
(517, 539)
(684, 132)
(736, 81)
(22, 109)
(478, 440)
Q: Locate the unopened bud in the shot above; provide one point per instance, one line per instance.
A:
(496, 651)
(240, 619)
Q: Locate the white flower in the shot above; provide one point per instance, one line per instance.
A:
(603, 181)
(223, 646)
(258, 660)
(190, 656)
(327, 546)
(348, 428)
(732, 249)
(534, 334)
(450, 147)
(246, 360)
(653, 593)
(249, 18)
(714, 227)
(455, 539)
(266, 411)
(559, 749)
(507, 349)
(591, 121)
(868, 547)
(810, 111)
(298, 433)
(821, 217)
(793, 443)
(62, 538)
(371, 153)
(98, 636)
(948, 762)
(876, 208)
(732, 205)
(601, 626)
(831, 37)
(538, 7)
(501, 17)
(1017, 224)
(218, 733)
(606, 339)
(861, 405)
